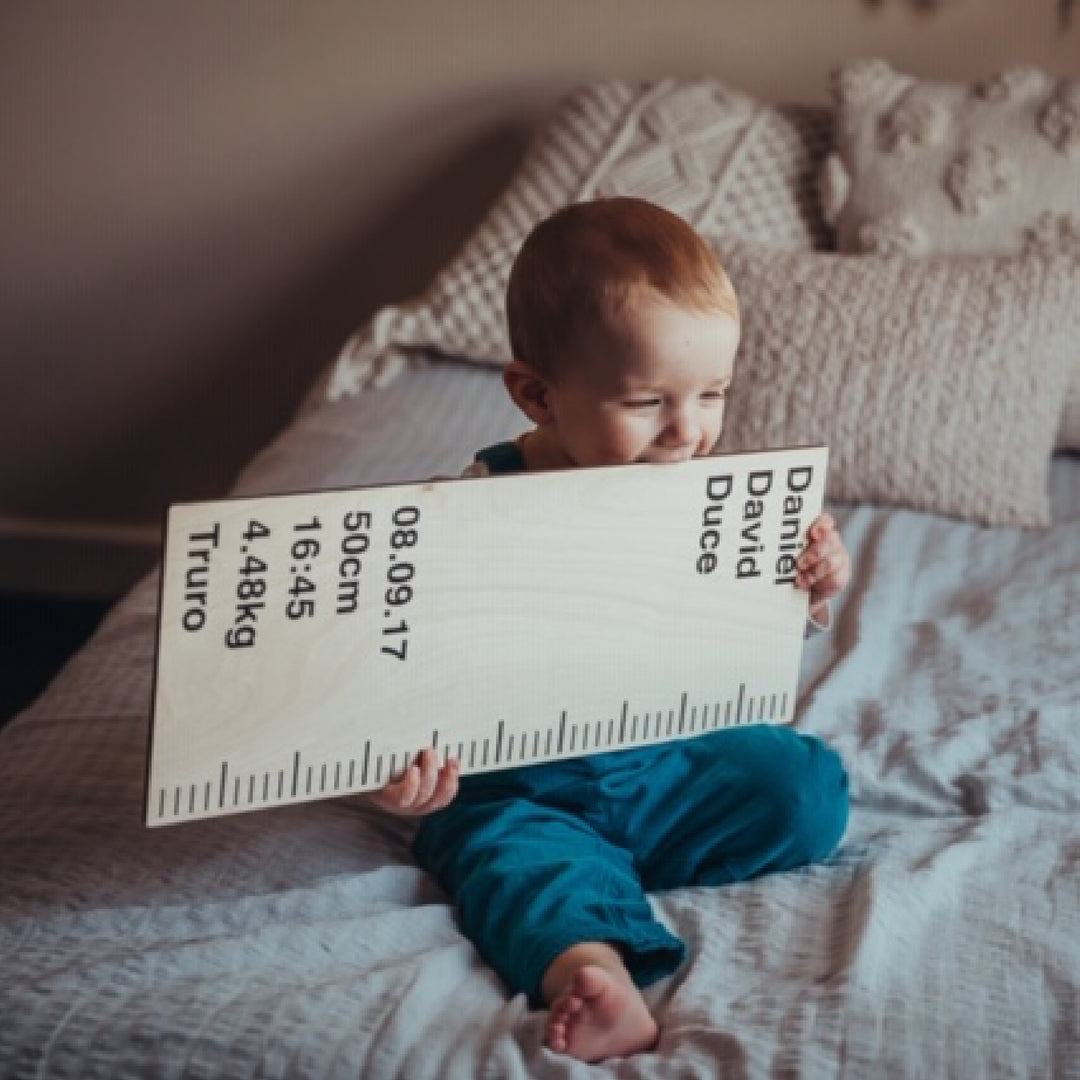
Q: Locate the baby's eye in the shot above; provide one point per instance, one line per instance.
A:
(713, 395)
(642, 403)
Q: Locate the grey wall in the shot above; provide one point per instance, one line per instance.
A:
(199, 200)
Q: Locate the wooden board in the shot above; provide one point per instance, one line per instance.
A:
(310, 645)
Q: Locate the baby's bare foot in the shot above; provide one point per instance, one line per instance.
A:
(599, 1016)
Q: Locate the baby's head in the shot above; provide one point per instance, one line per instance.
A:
(623, 327)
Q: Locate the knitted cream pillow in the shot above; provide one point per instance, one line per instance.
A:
(719, 158)
(936, 383)
(922, 167)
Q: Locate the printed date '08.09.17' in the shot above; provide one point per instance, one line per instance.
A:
(252, 594)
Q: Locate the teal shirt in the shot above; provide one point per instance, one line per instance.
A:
(503, 457)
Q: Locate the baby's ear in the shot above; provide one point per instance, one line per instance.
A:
(529, 389)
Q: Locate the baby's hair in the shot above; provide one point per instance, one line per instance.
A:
(583, 263)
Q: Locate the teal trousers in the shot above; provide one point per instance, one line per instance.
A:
(543, 857)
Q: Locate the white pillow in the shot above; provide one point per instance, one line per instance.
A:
(925, 167)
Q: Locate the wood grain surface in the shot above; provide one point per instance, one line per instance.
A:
(311, 644)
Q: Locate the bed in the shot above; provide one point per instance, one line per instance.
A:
(943, 938)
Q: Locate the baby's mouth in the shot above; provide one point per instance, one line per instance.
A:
(670, 459)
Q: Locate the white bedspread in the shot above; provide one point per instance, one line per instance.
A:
(943, 940)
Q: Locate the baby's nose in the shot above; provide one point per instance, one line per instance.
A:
(681, 429)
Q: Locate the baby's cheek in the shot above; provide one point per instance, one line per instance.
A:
(714, 428)
(634, 438)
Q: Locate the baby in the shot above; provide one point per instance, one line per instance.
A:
(624, 329)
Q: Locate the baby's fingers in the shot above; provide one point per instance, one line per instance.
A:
(421, 789)
(399, 795)
(817, 568)
(445, 790)
(428, 764)
(822, 526)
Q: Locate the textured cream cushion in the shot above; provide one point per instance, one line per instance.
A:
(923, 167)
(936, 382)
(721, 159)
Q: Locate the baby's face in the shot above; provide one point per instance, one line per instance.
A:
(650, 389)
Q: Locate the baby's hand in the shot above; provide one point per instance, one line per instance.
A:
(422, 789)
(824, 567)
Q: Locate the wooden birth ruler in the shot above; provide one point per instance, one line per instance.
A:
(310, 645)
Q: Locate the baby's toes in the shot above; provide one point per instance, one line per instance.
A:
(555, 1033)
(560, 1021)
(565, 1009)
